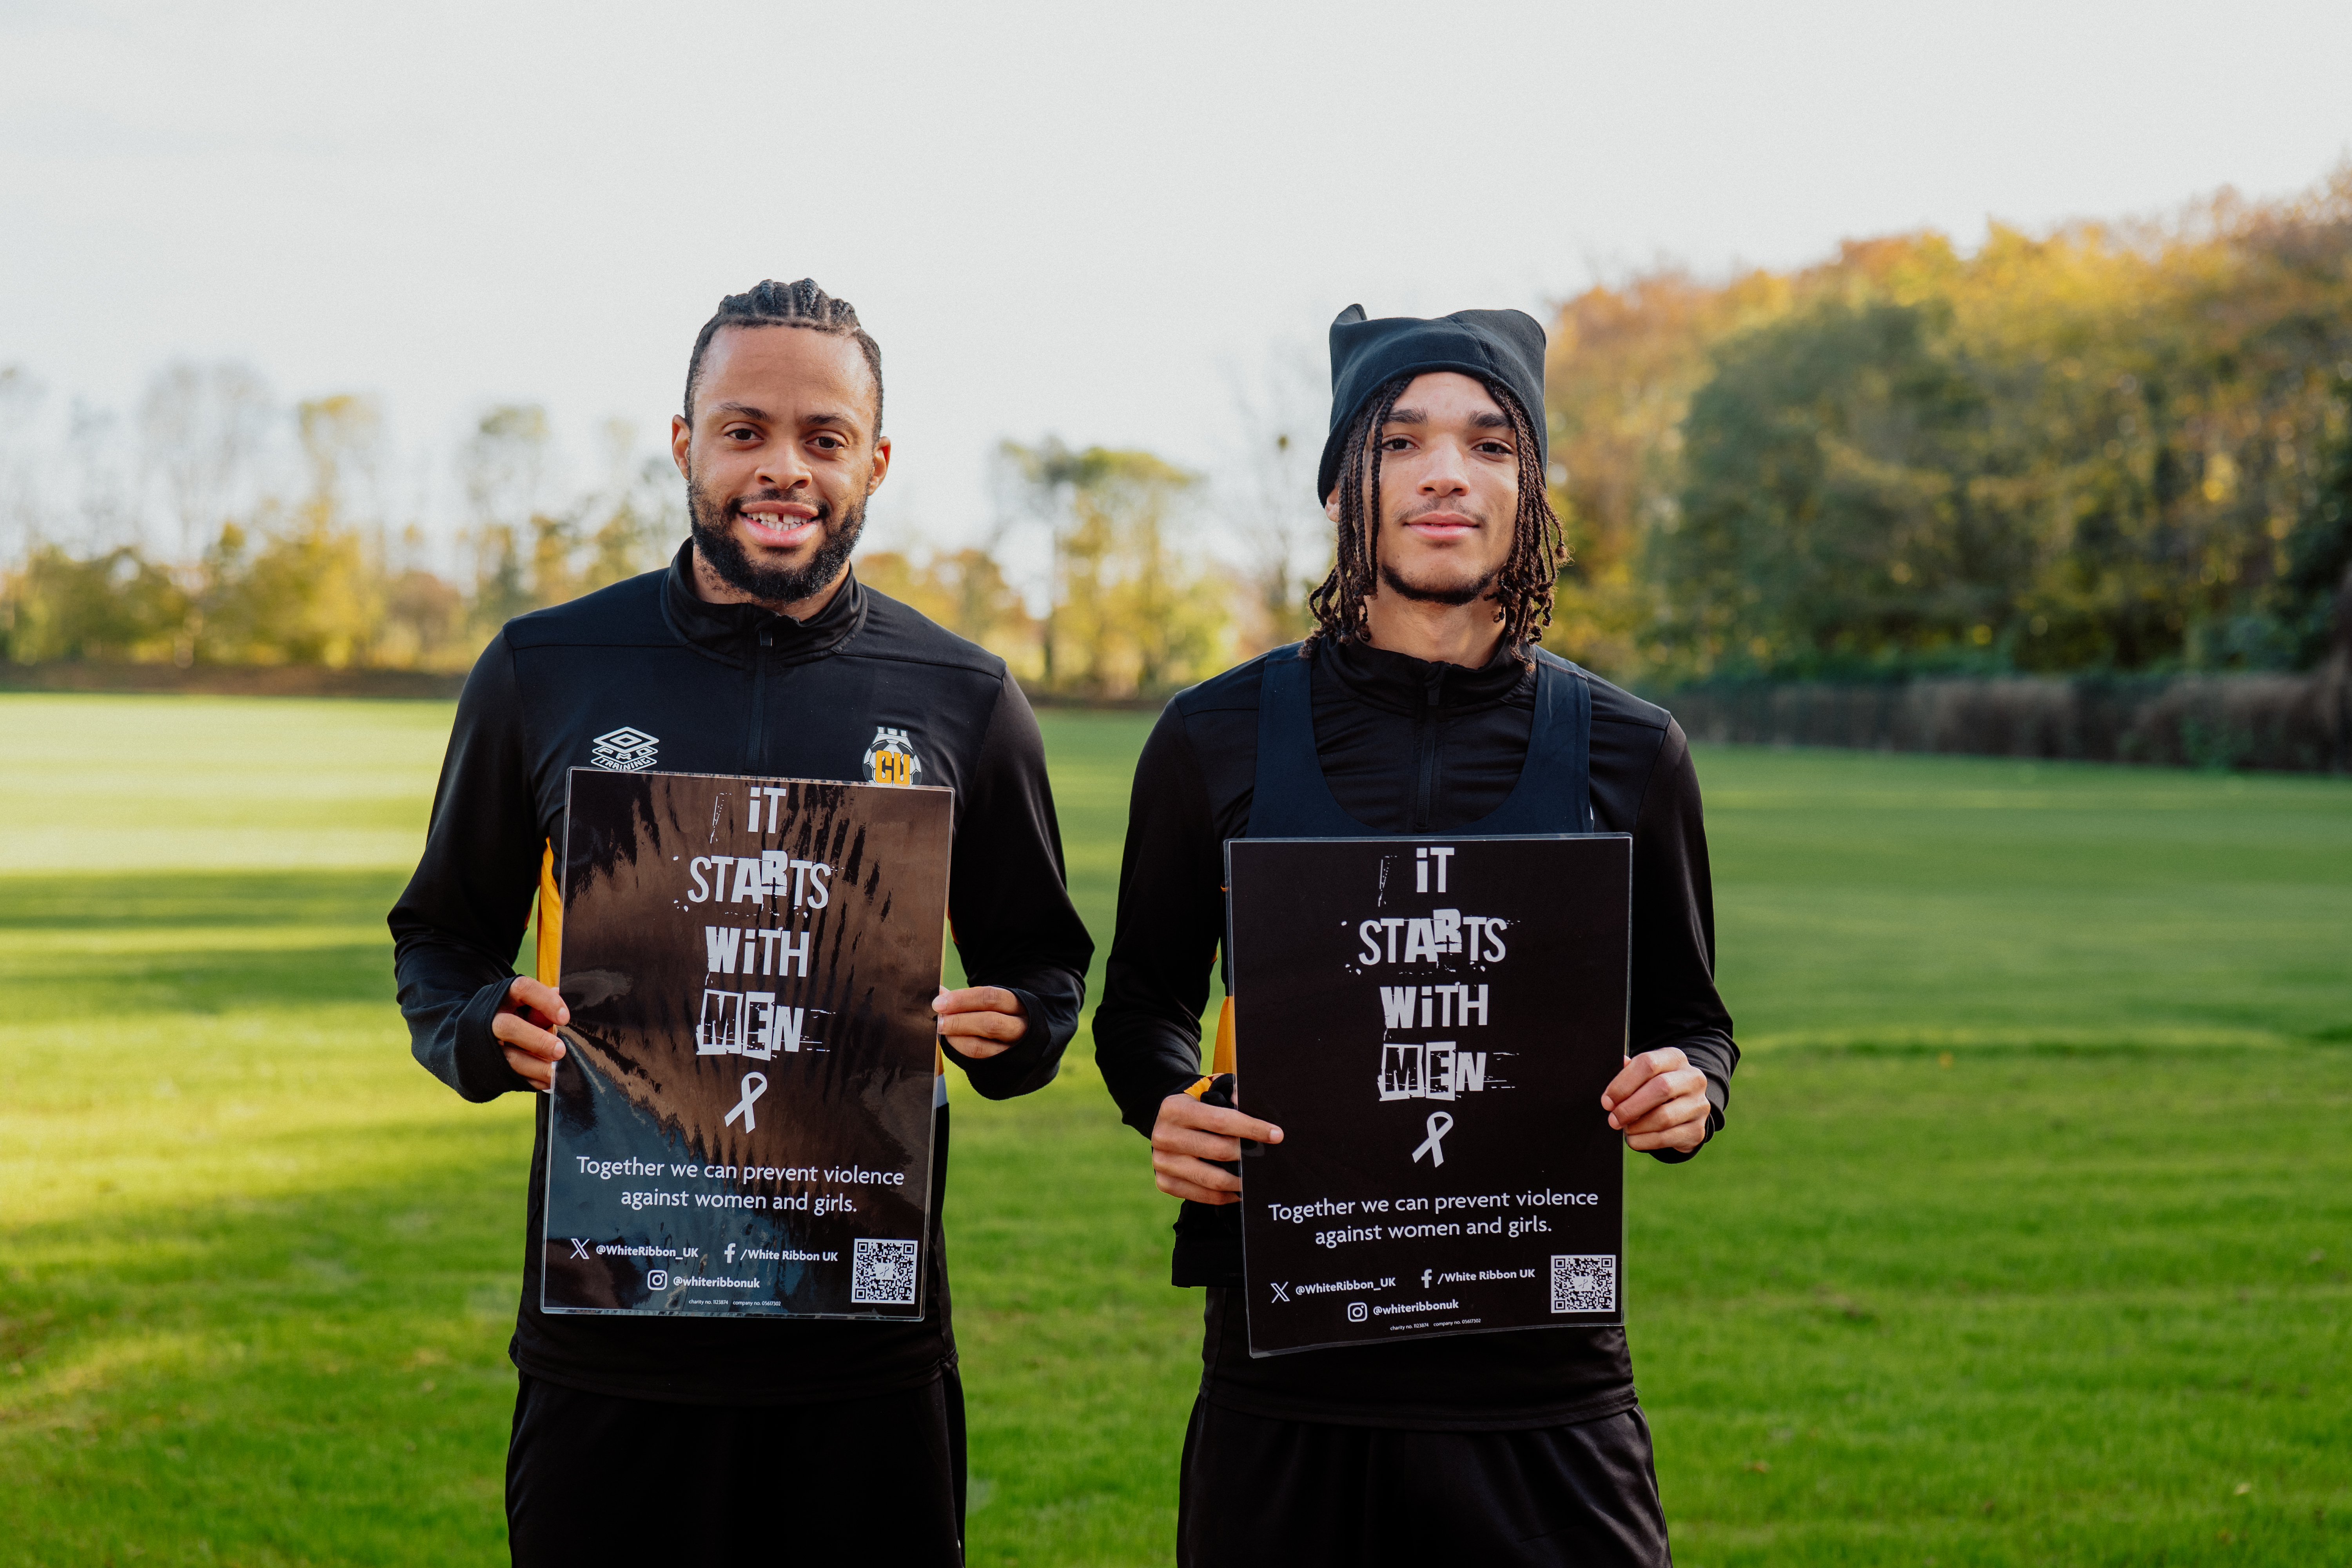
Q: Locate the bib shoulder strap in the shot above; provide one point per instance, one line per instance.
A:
(1554, 793)
(1288, 796)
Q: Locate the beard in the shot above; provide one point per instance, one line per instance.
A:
(1454, 593)
(714, 537)
(1437, 592)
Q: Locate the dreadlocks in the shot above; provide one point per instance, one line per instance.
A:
(1523, 587)
(800, 304)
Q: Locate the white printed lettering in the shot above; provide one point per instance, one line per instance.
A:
(1439, 1071)
(759, 1024)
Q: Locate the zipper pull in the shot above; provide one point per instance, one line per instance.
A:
(767, 635)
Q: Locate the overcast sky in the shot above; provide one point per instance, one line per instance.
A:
(1083, 220)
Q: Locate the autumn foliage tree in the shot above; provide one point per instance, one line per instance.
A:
(2106, 448)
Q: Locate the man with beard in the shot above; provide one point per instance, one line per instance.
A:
(756, 652)
(1419, 705)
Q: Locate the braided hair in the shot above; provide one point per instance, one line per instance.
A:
(774, 304)
(1522, 588)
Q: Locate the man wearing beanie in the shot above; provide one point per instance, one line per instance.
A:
(1414, 708)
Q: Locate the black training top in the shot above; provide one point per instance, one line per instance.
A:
(730, 688)
(1407, 747)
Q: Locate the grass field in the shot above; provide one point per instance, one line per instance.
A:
(2028, 1241)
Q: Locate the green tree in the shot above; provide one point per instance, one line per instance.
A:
(117, 605)
(1827, 517)
(1129, 610)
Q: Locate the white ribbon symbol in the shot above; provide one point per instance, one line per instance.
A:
(755, 1084)
(1440, 1124)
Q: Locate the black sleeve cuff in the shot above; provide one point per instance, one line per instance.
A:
(1030, 1063)
(1141, 1110)
(1719, 1097)
(481, 1062)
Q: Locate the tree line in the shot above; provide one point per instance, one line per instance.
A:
(181, 538)
(292, 562)
(2107, 448)
(2117, 447)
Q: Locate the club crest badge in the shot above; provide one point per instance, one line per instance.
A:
(624, 750)
(891, 759)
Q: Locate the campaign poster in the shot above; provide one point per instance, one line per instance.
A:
(742, 1126)
(1430, 1022)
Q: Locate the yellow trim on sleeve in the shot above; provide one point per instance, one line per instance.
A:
(1222, 1059)
(549, 950)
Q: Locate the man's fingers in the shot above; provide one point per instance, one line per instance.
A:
(1664, 1086)
(1188, 1178)
(979, 999)
(973, 1046)
(1176, 1187)
(539, 1074)
(1188, 1136)
(1667, 1088)
(980, 1021)
(1001, 1026)
(531, 1051)
(1183, 1110)
(1197, 1145)
(512, 1031)
(540, 998)
(1687, 1134)
(1676, 1113)
(1639, 1070)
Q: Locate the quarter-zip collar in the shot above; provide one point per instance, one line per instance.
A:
(1415, 687)
(739, 634)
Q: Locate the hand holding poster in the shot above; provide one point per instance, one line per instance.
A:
(1431, 1025)
(742, 1121)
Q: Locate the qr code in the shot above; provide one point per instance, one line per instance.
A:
(883, 1272)
(1583, 1282)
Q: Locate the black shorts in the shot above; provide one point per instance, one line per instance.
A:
(1303, 1494)
(592, 1479)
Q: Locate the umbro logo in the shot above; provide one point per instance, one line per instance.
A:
(624, 749)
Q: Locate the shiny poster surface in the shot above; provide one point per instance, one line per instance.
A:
(1430, 1022)
(741, 1125)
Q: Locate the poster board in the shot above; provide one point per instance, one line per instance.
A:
(741, 1124)
(1430, 1022)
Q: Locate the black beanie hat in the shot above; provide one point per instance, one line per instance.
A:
(1503, 347)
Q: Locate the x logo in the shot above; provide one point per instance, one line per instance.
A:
(1279, 1293)
(579, 1249)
